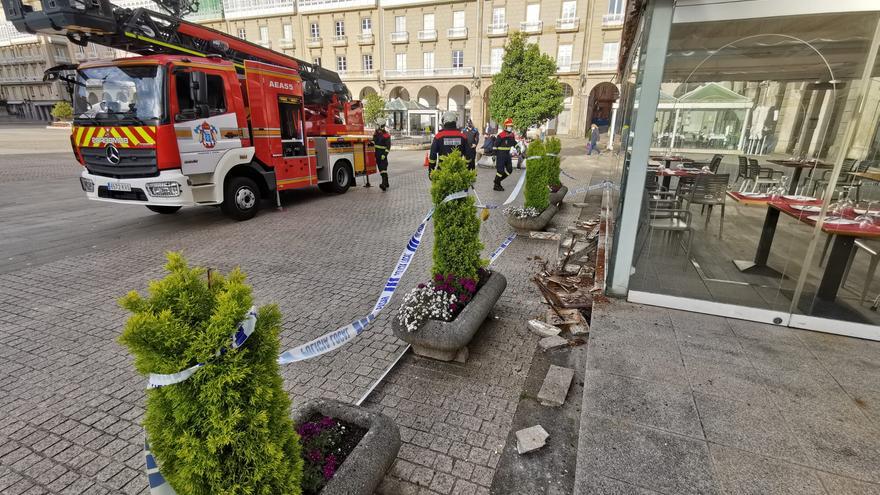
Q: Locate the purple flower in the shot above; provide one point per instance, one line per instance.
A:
(438, 278)
(452, 307)
(327, 422)
(329, 467)
(464, 298)
(421, 286)
(315, 456)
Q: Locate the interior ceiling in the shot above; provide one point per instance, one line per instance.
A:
(843, 39)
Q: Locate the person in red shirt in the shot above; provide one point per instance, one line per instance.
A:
(448, 139)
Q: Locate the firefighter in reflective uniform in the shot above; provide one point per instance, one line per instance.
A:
(382, 143)
(505, 141)
(448, 139)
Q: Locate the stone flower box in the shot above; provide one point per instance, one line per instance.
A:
(557, 197)
(447, 341)
(362, 470)
(533, 223)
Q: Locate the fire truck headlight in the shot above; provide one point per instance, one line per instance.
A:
(163, 189)
(88, 185)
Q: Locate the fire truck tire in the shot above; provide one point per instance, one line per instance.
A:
(342, 177)
(241, 198)
(165, 210)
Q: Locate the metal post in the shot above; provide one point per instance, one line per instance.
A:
(742, 133)
(674, 128)
(659, 22)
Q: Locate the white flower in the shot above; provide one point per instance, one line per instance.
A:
(425, 303)
(518, 212)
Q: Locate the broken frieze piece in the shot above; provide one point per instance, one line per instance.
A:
(532, 438)
(543, 329)
(552, 342)
(555, 386)
(544, 236)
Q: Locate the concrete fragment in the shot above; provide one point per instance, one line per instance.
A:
(552, 342)
(555, 386)
(543, 329)
(531, 438)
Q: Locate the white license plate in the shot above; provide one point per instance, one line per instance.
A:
(119, 186)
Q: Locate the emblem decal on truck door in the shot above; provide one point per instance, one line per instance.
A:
(207, 134)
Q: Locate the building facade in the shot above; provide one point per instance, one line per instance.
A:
(440, 54)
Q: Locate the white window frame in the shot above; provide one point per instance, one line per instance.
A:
(399, 23)
(616, 6)
(458, 19)
(569, 10)
(493, 55)
(367, 62)
(564, 56)
(609, 54)
(287, 31)
(339, 27)
(533, 12)
(314, 30)
(242, 33)
(366, 25)
(341, 63)
(264, 30)
(400, 61)
(426, 25)
(428, 61)
(499, 16)
(457, 59)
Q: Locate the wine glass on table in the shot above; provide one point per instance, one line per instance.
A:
(866, 219)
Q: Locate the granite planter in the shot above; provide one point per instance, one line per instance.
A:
(533, 223)
(447, 341)
(557, 197)
(362, 470)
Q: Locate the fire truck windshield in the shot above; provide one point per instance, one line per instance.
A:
(120, 94)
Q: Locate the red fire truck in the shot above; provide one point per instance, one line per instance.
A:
(200, 117)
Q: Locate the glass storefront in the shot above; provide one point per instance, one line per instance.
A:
(758, 165)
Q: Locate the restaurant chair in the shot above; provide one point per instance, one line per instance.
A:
(742, 173)
(709, 191)
(845, 180)
(663, 215)
(713, 163)
(873, 250)
(684, 187)
(763, 175)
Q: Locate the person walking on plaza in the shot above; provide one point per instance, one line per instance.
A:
(446, 141)
(594, 139)
(505, 141)
(382, 143)
(473, 138)
(521, 146)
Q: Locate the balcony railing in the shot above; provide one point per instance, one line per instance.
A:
(340, 40)
(568, 24)
(602, 65)
(435, 72)
(612, 19)
(496, 30)
(428, 35)
(531, 26)
(286, 43)
(314, 42)
(236, 9)
(568, 68)
(265, 43)
(365, 39)
(10, 35)
(489, 70)
(358, 74)
(400, 37)
(334, 5)
(455, 33)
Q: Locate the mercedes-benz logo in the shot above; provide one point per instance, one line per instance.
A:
(112, 154)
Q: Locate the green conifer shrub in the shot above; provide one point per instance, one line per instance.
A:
(537, 193)
(457, 243)
(554, 146)
(225, 430)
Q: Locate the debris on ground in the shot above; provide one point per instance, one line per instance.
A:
(555, 387)
(552, 342)
(532, 438)
(543, 329)
(545, 236)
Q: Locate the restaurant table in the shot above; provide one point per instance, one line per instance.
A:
(669, 173)
(667, 160)
(798, 166)
(844, 239)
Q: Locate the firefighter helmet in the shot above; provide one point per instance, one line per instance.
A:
(449, 117)
(380, 123)
(508, 122)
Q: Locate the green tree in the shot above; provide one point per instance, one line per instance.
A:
(225, 430)
(374, 108)
(537, 195)
(62, 111)
(526, 88)
(457, 243)
(552, 147)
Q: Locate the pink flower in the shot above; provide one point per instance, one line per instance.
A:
(315, 456)
(452, 307)
(421, 286)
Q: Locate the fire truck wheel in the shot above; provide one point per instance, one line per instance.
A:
(241, 199)
(165, 210)
(341, 177)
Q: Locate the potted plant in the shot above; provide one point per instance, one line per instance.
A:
(440, 317)
(537, 209)
(226, 428)
(557, 190)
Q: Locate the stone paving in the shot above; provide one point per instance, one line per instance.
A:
(72, 402)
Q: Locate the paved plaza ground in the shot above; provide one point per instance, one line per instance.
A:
(673, 402)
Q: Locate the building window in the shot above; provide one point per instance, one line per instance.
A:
(367, 62)
(94, 50)
(458, 19)
(533, 12)
(400, 60)
(341, 63)
(499, 16)
(428, 22)
(340, 28)
(569, 9)
(288, 31)
(610, 50)
(314, 30)
(242, 33)
(81, 49)
(616, 6)
(563, 57)
(317, 61)
(367, 25)
(264, 34)
(400, 23)
(428, 60)
(457, 59)
(496, 57)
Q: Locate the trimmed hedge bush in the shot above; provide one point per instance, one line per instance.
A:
(457, 243)
(62, 111)
(553, 145)
(537, 195)
(226, 429)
